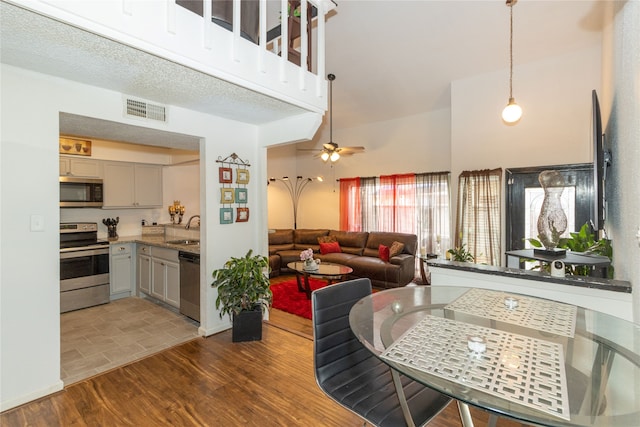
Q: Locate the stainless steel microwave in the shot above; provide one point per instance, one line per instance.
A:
(81, 192)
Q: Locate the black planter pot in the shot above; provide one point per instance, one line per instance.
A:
(247, 326)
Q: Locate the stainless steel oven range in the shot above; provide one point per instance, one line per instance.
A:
(84, 266)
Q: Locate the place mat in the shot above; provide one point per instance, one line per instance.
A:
(535, 313)
(517, 368)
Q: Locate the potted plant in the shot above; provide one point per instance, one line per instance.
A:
(244, 293)
(460, 254)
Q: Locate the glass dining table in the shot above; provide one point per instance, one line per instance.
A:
(530, 359)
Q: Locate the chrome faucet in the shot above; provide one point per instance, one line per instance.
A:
(189, 222)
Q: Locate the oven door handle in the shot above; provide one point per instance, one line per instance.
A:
(86, 251)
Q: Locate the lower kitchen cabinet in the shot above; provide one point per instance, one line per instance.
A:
(121, 271)
(144, 269)
(161, 276)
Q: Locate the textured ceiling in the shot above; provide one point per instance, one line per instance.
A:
(34, 42)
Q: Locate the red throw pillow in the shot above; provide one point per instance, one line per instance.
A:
(383, 253)
(329, 248)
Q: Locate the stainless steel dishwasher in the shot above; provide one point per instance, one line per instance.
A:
(190, 284)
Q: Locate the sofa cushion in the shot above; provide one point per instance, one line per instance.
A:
(351, 242)
(326, 239)
(329, 248)
(308, 238)
(281, 237)
(274, 249)
(396, 248)
(337, 258)
(383, 253)
(377, 238)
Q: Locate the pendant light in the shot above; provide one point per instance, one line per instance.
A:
(333, 155)
(512, 112)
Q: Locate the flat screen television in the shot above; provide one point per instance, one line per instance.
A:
(601, 162)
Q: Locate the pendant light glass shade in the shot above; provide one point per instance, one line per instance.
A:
(324, 156)
(512, 112)
(334, 156)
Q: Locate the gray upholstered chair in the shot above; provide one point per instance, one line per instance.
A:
(351, 375)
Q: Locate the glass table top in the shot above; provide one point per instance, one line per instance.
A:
(324, 269)
(528, 358)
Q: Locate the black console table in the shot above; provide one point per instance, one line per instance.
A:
(569, 258)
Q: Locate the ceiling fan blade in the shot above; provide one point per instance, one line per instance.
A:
(350, 150)
(309, 149)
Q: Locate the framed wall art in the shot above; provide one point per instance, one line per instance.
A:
(241, 195)
(226, 215)
(242, 176)
(226, 196)
(225, 175)
(242, 214)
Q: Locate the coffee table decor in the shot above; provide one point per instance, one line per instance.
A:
(310, 264)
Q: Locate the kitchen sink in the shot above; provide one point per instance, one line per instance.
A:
(185, 242)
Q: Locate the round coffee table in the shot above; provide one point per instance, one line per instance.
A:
(326, 270)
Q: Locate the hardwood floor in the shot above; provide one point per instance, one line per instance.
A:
(210, 382)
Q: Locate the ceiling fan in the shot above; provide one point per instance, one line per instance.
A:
(330, 150)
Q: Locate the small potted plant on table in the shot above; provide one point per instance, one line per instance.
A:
(243, 293)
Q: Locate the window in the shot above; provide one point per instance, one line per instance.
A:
(478, 224)
(524, 197)
(408, 203)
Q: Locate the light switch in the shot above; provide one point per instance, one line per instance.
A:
(37, 223)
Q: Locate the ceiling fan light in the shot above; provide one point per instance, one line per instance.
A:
(334, 156)
(324, 156)
(512, 112)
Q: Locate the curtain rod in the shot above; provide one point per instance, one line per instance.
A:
(417, 174)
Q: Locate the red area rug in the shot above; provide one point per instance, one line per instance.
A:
(286, 297)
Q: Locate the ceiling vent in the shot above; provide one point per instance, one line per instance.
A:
(145, 110)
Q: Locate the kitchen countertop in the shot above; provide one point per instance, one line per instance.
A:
(157, 240)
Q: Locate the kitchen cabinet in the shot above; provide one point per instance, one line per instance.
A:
(132, 185)
(161, 277)
(144, 269)
(71, 166)
(121, 270)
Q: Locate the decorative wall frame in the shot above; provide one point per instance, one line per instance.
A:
(226, 215)
(225, 175)
(242, 214)
(227, 196)
(242, 176)
(76, 147)
(238, 193)
(242, 195)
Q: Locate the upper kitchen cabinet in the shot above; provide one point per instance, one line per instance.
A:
(132, 185)
(72, 166)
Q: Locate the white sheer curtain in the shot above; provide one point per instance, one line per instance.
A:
(478, 221)
(433, 197)
(369, 203)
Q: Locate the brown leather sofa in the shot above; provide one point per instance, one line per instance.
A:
(358, 250)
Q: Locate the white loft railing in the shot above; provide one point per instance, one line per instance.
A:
(169, 30)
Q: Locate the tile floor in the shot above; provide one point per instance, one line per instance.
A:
(100, 338)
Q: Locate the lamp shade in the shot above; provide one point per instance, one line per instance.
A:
(512, 112)
(334, 156)
(324, 156)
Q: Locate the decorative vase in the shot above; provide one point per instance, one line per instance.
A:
(310, 264)
(552, 221)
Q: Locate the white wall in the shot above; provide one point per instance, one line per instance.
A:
(418, 143)
(622, 89)
(29, 291)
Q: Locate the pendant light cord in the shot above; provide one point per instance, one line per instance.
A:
(511, 50)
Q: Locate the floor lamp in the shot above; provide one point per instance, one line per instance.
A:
(295, 188)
